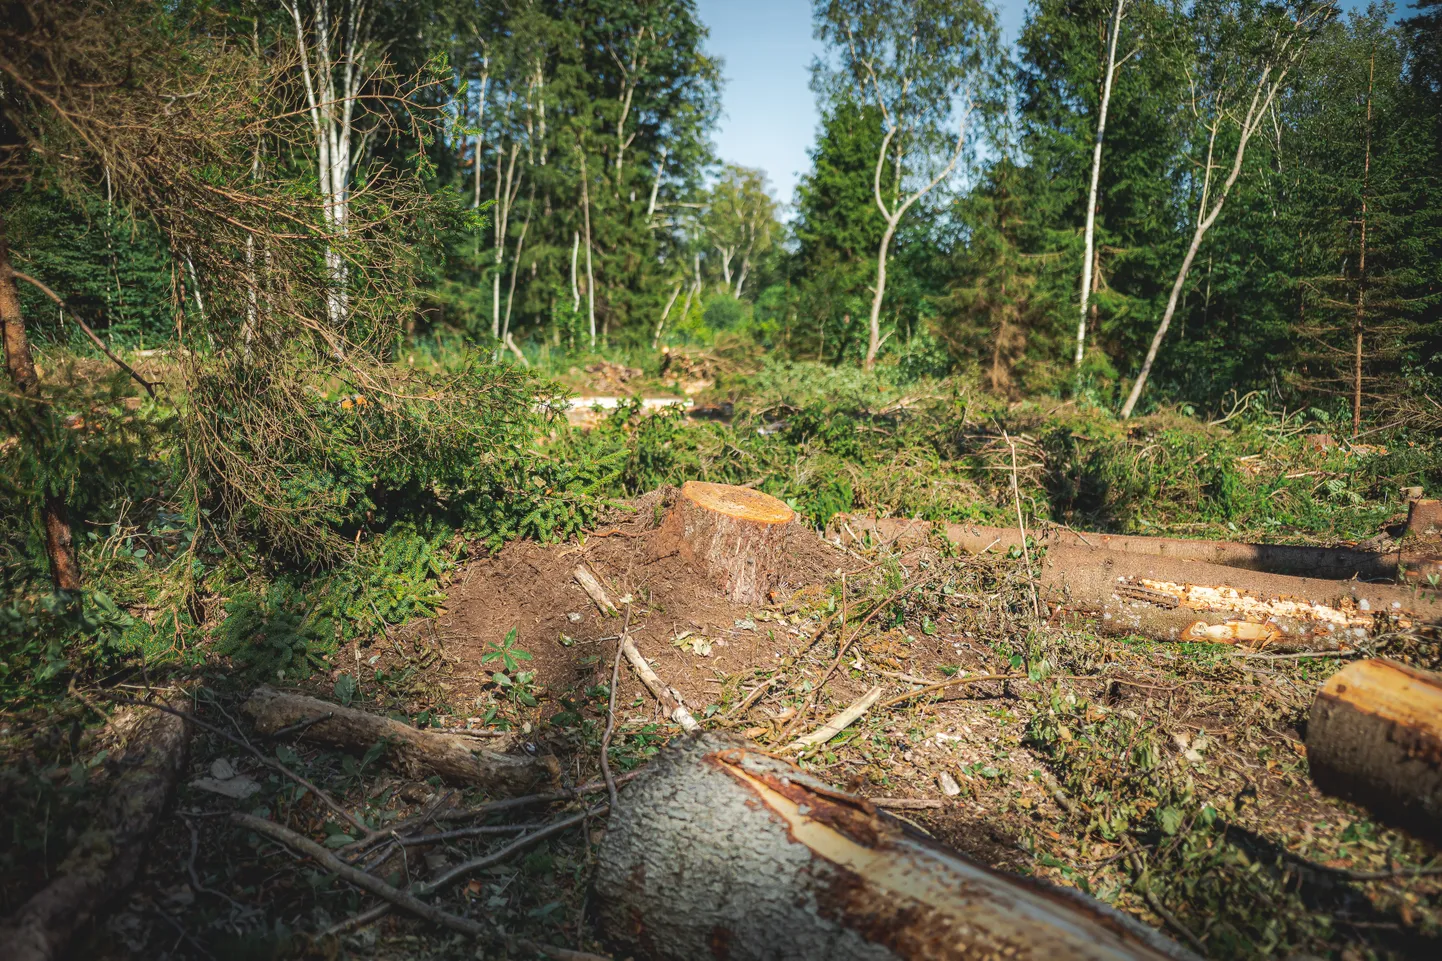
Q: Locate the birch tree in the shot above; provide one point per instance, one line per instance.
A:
(925, 65)
(334, 45)
(1244, 58)
(1110, 68)
(740, 220)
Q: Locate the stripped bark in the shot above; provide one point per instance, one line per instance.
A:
(454, 757)
(721, 851)
(1174, 600)
(734, 535)
(1375, 737)
(1339, 563)
(106, 857)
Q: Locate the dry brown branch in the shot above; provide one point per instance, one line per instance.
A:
(393, 895)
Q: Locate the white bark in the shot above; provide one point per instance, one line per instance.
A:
(590, 275)
(1090, 233)
(575, 285)
(1273, 74)
(656, 184)
(334, 54)
(660, 324)
(893, 216)
(481, 125)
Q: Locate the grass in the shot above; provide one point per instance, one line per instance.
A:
(1234, 844)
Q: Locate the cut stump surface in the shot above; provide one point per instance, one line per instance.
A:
(734, 535)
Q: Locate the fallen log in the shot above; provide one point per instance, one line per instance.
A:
(105, 858)
(1374, 736)
(734, 535)
(1335, 563)
(1174, 600)
(721, 851)
(454, 757)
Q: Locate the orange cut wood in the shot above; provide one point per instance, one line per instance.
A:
(733, 535)
(1374, 736)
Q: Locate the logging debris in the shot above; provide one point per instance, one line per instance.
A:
(1374, 736)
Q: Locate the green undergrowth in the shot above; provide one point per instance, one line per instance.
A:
(831, 440)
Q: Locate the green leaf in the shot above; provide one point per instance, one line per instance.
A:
(1169, 819)
(345, 689)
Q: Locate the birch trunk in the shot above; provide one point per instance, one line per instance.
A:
(1090, 233)
(590, 275)
(893, 217)
(1269, 82)
(660, 324)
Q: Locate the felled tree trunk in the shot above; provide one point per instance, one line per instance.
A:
(1338, 563)
(1175, 600)
(104, 859)
(454, 757)
(720, 851)
(1375, 737)
(733, 535)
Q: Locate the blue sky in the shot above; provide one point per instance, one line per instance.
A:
(769, 116)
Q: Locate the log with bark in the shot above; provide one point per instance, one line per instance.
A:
(735, 536)
(721, 851)
(105, 858)
(1374, 736)
(1337, 563)
(455, 757)
(1167, 599)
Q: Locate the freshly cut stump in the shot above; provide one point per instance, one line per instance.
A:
(1375, 737)
(733, 535)
(720, 851)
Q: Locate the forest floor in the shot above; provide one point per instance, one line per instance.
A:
(1167, 779)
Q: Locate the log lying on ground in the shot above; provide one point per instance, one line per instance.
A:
(720, 851)
(1375, 737)
(455, 757)
(106, 857)
(1337, 563)
(734, 535)
(1167, 599)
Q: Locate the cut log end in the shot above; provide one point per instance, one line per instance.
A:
(1374, 736)
(739, 503)
(734, 535)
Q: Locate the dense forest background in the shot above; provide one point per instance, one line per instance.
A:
(581, 132)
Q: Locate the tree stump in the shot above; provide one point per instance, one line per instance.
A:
(1375, 737)
(733, 535)
(720, 851)
(1424, 516)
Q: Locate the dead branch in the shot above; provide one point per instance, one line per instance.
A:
(105, 858)
(454, 758)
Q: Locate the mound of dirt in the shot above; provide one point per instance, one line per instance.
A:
(681, 621)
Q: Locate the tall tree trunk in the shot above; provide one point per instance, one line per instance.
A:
(893, 215)
(20, 366)
(1362, 263)
(590, 275)
(660, 324)
(1273, 74)
(1090, 233)
(873, 342)
(575, 284)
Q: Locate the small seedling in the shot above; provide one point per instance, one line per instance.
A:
(506, 652)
